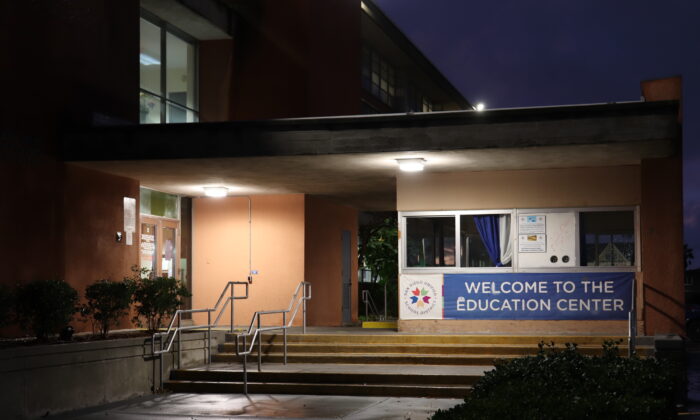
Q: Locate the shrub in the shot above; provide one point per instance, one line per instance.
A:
(107, 302)
(6, 304)
(564, 384)
(157, 299)
(45, 306)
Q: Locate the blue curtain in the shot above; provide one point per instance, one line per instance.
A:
(487, 226)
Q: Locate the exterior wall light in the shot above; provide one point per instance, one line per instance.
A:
(479, 107)
(411, 165)
(217, 192)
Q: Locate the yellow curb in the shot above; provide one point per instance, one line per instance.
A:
(379, 324)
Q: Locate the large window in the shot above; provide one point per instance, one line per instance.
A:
(378, 76)
(430, 242)
(167, 62)
(607, 238)
(520, 240)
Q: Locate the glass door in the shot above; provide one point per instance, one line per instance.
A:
(159, 253)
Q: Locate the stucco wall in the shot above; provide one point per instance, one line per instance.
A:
(662, 246)
(325, 222)
(220, 252)
(536, 188)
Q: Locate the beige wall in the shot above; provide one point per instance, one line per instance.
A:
(536, 188)
(220, 251)
(655, 186)
(325, 222)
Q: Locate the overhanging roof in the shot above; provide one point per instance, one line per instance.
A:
(351, 159)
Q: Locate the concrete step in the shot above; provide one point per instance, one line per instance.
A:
(397, 338)
(371, 358)
(414, 348)
(381, 390)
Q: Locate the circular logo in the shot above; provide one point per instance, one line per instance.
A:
(419, 297)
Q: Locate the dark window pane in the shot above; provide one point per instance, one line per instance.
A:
(430, 242)
(473, 250)
(607, 238)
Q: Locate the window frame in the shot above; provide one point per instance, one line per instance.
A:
(391, 74)
(165, 28)
(515, 266)
(403, 268)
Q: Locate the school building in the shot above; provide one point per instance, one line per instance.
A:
(302, 114)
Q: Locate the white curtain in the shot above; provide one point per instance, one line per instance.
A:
(504, 239)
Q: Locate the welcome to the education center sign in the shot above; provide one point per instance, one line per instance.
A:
(536, 296)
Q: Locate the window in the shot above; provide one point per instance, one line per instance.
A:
(430, 242)
(427, 104)
(378, 76)
(519, 240)
(607, 238)
(485, 240)
(167, 63)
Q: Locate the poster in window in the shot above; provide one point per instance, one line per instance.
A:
(532, 224)
(532, 243)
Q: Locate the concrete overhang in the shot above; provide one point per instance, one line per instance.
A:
(352, 159)
(201, 19)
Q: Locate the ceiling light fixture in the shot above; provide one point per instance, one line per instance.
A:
(147, 60)
(411, 165)
(216, 192)
(480, 106)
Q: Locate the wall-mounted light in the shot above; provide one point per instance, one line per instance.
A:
(411, 165)
(217, 192)
(479, 107)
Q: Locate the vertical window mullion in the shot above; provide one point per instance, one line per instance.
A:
(163, 74)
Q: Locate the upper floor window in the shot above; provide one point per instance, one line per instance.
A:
(378, 76)
(167, 63)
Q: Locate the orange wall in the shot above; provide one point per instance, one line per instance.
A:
(536, 188)
(220, 251)
(662, 246)
(325, 222)
(93, 213)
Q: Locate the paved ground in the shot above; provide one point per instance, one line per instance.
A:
(230, 406)
(352, 368)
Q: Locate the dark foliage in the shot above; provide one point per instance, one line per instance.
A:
(106, 303)
(157, 299)
(564, 384)
(45, 306)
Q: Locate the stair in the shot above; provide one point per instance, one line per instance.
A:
(369, 364)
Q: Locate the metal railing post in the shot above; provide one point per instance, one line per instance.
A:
(232, 300)
(208, 337)
(284, 333)
(179, 341)
(303, 297)
(161, 363)
(632, 347)
(245, 364)
(259, 346)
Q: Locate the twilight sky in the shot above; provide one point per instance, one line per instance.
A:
(514, 53)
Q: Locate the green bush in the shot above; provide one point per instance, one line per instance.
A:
(45, 306)
(6, 304)
(564, 384)
(107, 302)
(157, 299)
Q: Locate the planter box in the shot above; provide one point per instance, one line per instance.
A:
(41, 379)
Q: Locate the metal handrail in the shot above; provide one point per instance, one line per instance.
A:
(255, 332)
(176, 331)
(632, 347)
(370, 305)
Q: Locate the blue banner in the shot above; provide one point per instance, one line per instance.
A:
(535, 296)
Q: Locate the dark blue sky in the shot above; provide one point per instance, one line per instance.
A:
(513, 53)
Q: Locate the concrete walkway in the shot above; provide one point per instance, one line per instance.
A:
(351, 368)
(237, 406)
